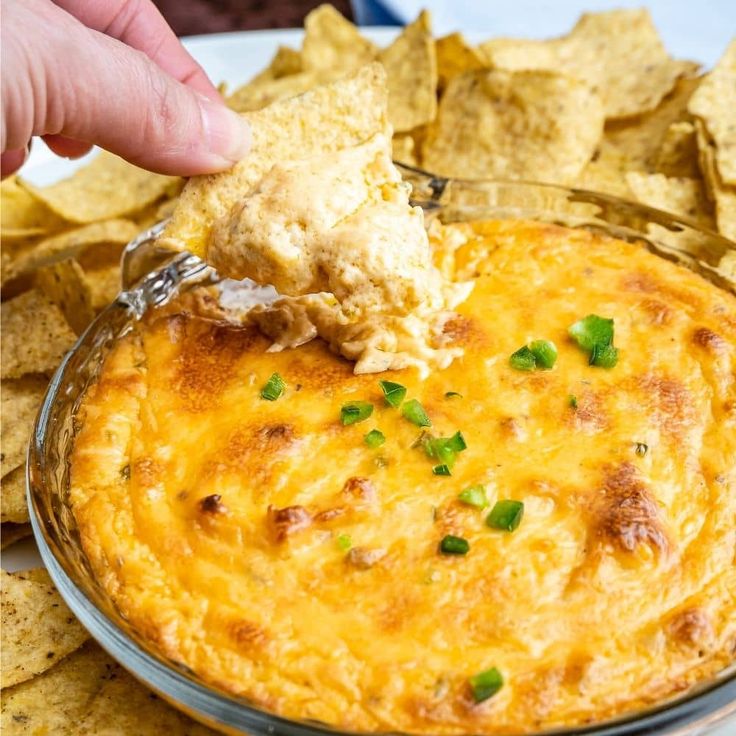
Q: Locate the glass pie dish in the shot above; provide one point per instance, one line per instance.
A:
(152, 276)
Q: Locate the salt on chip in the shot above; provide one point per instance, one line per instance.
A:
(714, 102)
(55, 701)
(681, 196)
(35, 335)
(107, 187)
(533, 125)
(20, 400)
(110, 235)
(37, 628)
(722, 195)
(13, 495)
(10, 534)
(456, 56)
(333, 42)
(322, 120)
(411, 69)
(66, 285)
(618, 53)
(678, 151)
(123, 706)
(22, 215)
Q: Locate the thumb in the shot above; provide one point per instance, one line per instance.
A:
(96, 89)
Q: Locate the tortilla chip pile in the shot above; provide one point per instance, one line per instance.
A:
(604, 107)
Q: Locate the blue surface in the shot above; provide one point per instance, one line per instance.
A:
(692, 29)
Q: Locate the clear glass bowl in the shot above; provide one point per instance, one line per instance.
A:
(151, 276)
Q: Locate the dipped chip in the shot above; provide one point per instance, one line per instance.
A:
(20, 400)
(11, 533)
(65, 284)
(714, 103)
(456, 56)
(682, 196)
(325, 119)
(37, 628)
(23, 215)
(533, 125)
(13, 493)
(608, 51)
(411, 70)
(55, 701)
(124, 706)
(110, 235)
(105, 188)
(35, 335)
(331, 41)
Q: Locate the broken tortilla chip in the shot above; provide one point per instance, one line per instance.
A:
(124, 706)
(109, 235)
(678, 152)
(411, 70)
(13, 495)
(325, 119)
(609, 51)
(532, 125)
(35, 335)
(722, 195)
(37, 628)
(714, 103)
(455, 56)
(331, 41)
(65, 284)
(681, 196)
(55, 701)
(20, 400)
(107, 187)
(22, 215)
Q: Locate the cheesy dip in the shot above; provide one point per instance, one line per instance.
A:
(506, 544)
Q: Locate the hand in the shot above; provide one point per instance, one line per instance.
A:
(110, 73)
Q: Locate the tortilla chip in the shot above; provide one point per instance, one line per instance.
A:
(259, 94)
(618, 53)
(22, 215)
(20, 400)
(681, 196)
(714, 103)
(531, 125)
(411, 69)
(35, 335)
(722, 195)
(13, 495)
(678, 152)
(403, 149)
(37, 628)
(325, 119)
(333, 42)
(455, 56)
(286, 61)
(54, 702)
(11, 533)
(110, 235)
(107, 187)
(123, 706)
(105, 284)
(66, 285)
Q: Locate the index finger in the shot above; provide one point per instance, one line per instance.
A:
(138, 23)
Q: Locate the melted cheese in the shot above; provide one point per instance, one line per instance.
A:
(342, 224)
(212, 517)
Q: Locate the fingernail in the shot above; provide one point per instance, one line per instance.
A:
(227, 133)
